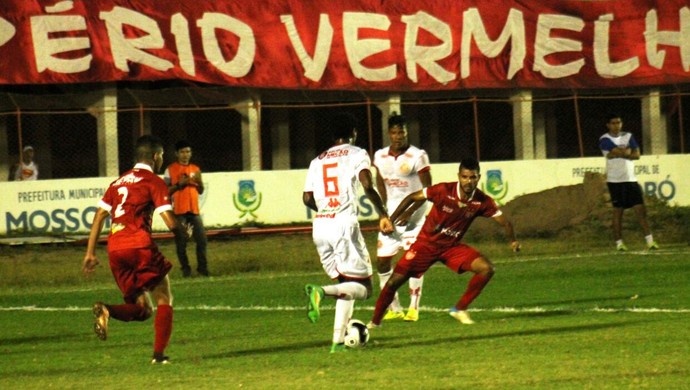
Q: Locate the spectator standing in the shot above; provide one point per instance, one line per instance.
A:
(620, 149)
(27, 169)
(185, 185)
(401, 170)
(331, 191)
(139, 268)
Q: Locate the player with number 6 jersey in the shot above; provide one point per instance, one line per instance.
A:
(331, 191)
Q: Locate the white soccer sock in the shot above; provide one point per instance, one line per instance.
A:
(649, 238)
(395, 304)
(415, 292)
(343, 313)
(347, 291)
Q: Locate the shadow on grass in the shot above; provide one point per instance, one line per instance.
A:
(381, 340)
(522, 333)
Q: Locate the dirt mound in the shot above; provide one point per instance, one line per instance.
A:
(548, 212)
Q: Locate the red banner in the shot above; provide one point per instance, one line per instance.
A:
(349, 44)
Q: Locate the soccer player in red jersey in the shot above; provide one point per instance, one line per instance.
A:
(455, 206)
(139, 268)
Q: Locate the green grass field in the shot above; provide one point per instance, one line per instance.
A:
(559, 315)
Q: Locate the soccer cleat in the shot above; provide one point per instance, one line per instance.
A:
(338, 347)
(621, 247)
(372, 325)
(652, 246)
(160, 360)
(393, 315)
(315, 294)
(100, 323)
(461, 315)
(412, 315)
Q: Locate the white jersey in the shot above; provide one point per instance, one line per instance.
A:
(333, 179)
(618, 170)
(26, 171)
(401, 177)
(401, 173)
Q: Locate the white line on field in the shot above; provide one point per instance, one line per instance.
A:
(648, 310)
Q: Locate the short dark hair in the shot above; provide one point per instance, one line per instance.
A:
(396, 120)
(612, 115)
(147, 146)
(343, 125)
(470, 163)
(181, 145)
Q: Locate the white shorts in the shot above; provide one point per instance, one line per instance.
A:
(403, 237)
(341, 247)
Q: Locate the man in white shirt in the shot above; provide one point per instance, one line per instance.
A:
(331, 191)
(620, 149)
(27, 169)
(402, 169)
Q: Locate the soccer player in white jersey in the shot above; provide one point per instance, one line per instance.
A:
(402, 169)
(620, 149)
(331, 191)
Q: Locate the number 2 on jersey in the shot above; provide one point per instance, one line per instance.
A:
(119, 211)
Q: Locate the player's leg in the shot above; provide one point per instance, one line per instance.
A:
(163, 323)
(463, 258)
(199, 233)
(387, 294)
(387, 248)
(415, 295)
(409, 236)
(181, 247)
(343, 313)
(640, 209)
(122, 265)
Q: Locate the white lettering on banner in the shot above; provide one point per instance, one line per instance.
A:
(514, 31)
(602, 62)
(48, 32)
(561, 47)
(654, 38)
(313, 66)
(427, 57)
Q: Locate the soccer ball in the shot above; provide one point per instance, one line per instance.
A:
(356, 334)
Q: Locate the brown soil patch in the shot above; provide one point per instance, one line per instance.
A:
(548, 212)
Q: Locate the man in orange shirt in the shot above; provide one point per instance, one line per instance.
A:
(185, 185)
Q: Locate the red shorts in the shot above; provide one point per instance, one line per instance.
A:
(138, 270)
(421, 256)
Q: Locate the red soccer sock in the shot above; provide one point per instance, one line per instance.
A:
(127, 312)
(163, 325)
(474, 288)
(385, 299)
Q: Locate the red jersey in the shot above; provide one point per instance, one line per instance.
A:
(131, 200)
(450, 216)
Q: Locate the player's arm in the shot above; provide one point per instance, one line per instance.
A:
(309, 201)
(171, 222)
(405, 204)
(425, 178)
(510, 233)
(381, 185)
(90, 259)
(365, 178)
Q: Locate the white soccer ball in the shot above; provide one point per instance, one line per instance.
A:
(356, 334)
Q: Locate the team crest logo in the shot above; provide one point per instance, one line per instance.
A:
(247, 200)
(495, 185)
(409, 255)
